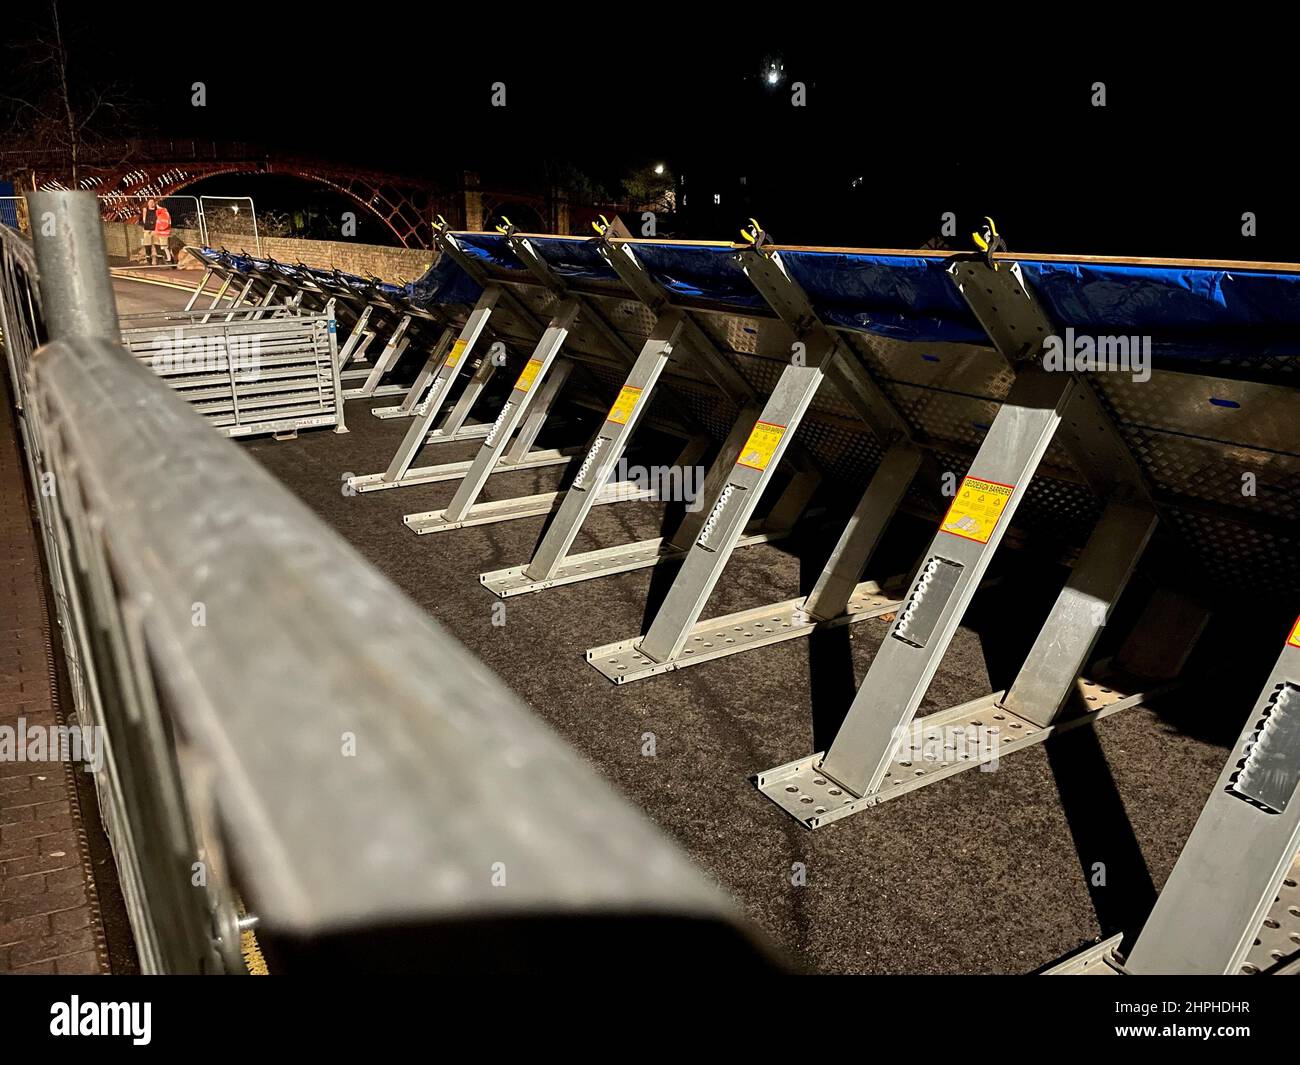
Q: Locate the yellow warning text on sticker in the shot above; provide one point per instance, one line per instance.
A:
(975, 512)
(529, 375)
(622, 409)
(457, 350)
(1295, 635)
(761, 445)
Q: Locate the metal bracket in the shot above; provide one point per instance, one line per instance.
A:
(1232, 903)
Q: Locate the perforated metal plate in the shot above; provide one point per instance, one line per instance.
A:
(975, 734)
(732, 633)
(1277, 946)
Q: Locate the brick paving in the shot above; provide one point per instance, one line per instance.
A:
(49, 912)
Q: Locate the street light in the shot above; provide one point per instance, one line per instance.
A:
(659, 168)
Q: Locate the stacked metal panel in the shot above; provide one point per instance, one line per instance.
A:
(246, 372)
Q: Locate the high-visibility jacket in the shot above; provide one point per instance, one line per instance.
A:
(163, 222)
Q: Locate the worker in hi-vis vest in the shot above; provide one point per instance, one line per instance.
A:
(157, 223)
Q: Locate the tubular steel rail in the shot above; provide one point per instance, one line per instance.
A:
(282, 725)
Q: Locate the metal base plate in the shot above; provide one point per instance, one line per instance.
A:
(1277, 944)
(602, 563)
(732, 633)
(1097, 960)
(455, 471)
(433, 521)
(392, 412)
(382, 390)
(436, 436)
(813, 799)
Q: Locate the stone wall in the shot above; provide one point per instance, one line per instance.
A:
(125, 244)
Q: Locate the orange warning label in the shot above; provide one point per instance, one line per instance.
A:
(975, 511)
(529, 375)
(1294, 641)
(457, 350)
(761, 445)
(623, 406)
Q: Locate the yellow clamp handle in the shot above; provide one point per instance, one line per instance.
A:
(505, 228)
(600, 226)
(750, 235)
(980, 242)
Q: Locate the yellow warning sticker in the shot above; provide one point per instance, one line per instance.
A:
(529, 375)
(622, 409)
(975, 512)
(1295, 635)
(457, 350)
(761, 445)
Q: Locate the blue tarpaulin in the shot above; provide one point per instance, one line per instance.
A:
(1189, 312)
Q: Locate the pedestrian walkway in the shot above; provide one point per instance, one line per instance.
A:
(49, 912)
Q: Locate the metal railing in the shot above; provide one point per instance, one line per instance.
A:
(281, 724)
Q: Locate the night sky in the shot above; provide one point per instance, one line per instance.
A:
(904, 120)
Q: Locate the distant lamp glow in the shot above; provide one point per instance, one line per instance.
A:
(659, 168)
(772, 71)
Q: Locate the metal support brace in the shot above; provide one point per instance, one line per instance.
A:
(853, 771)
(239, 300)
(700, 641)
(1018, 326)
(675, 623)
(735, 504)
(360, 331)
(621, 422)
(397, 343)
(843, 570)
(1227, 907)
(728, 455)
(494, 445)
(805, 477)
(1065, 642)
(463, 508)
(418, 433)
(456, 359)
(265, 303)
(862, 752)
(198, 289)
(219, 296)
(437, 355)
(453, 425)
(551, 564)
(521, 399)
(336, 383)
(538, 411)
